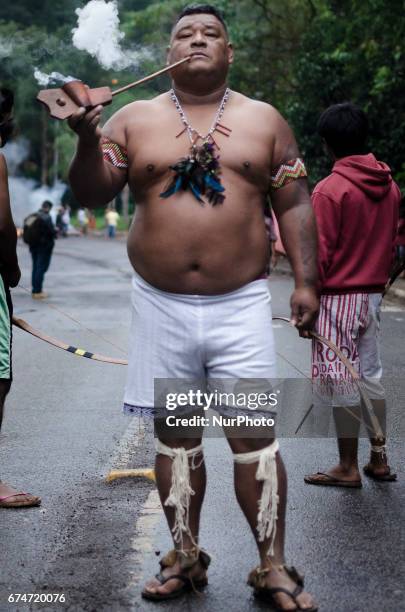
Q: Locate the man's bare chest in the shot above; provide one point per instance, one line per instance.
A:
(244, 153)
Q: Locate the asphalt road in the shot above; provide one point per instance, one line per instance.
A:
(96, 542)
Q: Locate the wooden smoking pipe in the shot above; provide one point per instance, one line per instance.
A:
(64, 101)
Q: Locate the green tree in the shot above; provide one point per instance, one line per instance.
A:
(300, 55)
(353, 51)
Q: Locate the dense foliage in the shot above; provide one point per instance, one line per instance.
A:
(300, 55)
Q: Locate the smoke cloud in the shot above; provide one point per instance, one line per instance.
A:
(55, 78)
(98, 33)
(25, 194)
(26, 197)
(15, 152)
(6, 48)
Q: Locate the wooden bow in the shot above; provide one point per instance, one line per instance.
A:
(375, 424)
(20, 323)
(376, 428)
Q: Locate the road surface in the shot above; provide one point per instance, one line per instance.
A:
(94, 542)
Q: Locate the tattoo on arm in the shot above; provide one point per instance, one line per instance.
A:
(308, 247)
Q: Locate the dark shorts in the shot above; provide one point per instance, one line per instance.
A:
(6, 313)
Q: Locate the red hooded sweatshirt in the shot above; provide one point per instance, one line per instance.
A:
(357, 209)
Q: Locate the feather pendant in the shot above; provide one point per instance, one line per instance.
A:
(200, 173)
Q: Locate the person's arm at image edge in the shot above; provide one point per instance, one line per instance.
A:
(8, 235)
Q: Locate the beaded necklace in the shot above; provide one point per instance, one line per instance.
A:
(200, 170)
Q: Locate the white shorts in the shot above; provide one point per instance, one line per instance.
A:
(197, 337)
(352, 322)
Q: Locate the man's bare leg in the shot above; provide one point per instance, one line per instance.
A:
(378, 464)
(163, 470)
(5, 490)
(348, 425)
(347, 422)
(4, 389)
(248, 493)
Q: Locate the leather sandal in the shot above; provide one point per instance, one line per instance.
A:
(256, 579)
(26, 500)
(188, 559)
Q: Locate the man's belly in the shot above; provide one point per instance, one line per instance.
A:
(198, 254)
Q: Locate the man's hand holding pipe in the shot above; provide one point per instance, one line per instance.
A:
(86, 125)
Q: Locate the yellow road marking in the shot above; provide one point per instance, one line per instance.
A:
(148, 473)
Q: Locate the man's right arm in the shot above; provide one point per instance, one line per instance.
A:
(95, 181)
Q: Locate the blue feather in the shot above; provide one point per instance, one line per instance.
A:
(213, 183)
(196, 192)
(174, 187)
(168, 192)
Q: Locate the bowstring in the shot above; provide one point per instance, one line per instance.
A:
(100, 337)
(72, 318)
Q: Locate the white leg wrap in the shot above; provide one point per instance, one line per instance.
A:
(268, 503)
(381, 450)
(180, 491)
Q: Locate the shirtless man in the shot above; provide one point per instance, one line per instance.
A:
(198, 275)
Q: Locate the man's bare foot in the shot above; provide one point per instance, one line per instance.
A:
(378, 467)
(197, 573)
(336, 476)
(12, 498)
(278, 577)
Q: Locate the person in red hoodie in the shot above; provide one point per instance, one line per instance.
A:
(356, 208)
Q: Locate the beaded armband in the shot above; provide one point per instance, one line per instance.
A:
(114, 154)
(287, 172)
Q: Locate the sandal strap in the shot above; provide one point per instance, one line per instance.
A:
(293, 594)
(162, 579)
(13, 495)
(294, 575)
(204, 559)
(187, 558)
(259, 572)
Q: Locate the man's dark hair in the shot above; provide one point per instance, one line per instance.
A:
(47, 204)
(201, 9)
(345, 129)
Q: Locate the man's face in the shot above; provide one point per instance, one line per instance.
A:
(204, 38)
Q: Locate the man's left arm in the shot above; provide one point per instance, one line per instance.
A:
(291, 203)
